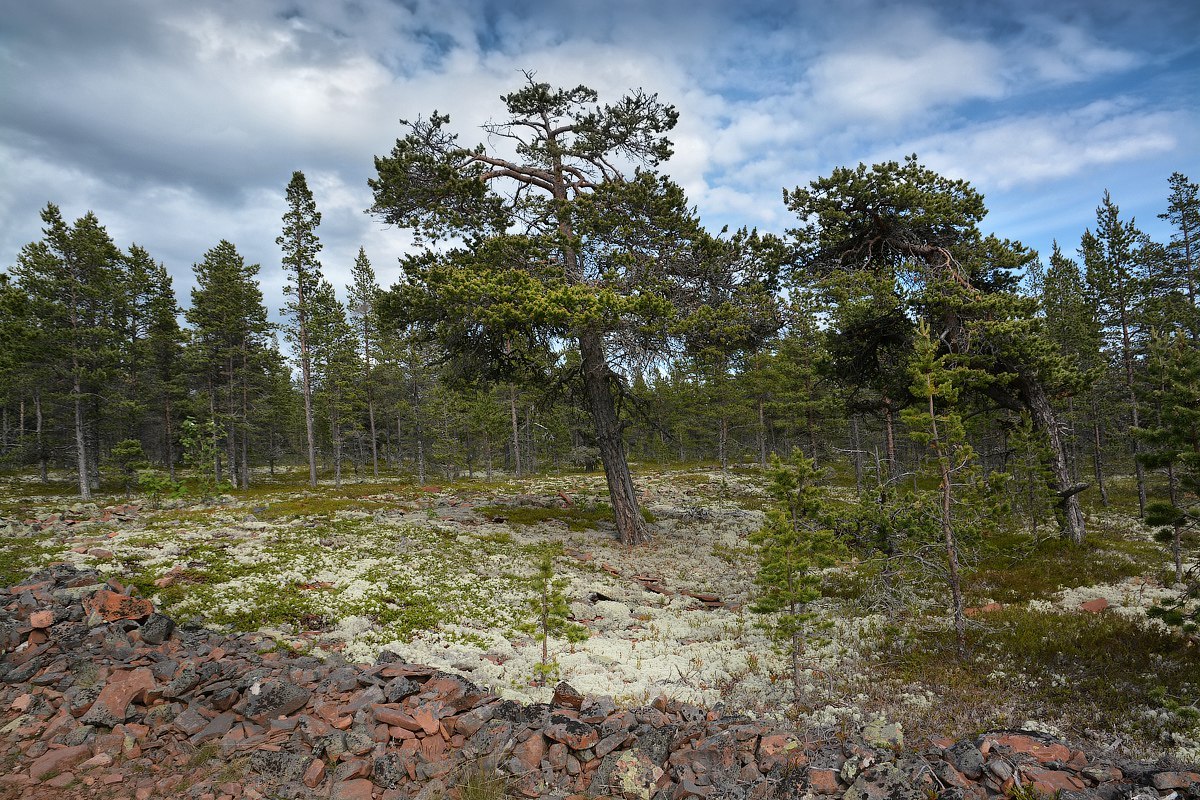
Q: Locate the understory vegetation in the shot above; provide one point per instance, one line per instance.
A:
(443, 575)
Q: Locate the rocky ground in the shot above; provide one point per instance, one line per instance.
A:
(103, 697)
(285, 587)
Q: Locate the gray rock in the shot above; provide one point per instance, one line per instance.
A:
(273, 699)
(882, 782)
(279, 767)
(389, 771)
(157, 629)
(967, 759)
(399, 688)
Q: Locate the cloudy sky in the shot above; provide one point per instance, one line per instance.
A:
(180, 123)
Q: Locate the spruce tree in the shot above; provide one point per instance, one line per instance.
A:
(72, 276)
(363, 301)
(228, 340)
(300, 248)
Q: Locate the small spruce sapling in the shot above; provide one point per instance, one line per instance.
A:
(551, 611)
(795, 542)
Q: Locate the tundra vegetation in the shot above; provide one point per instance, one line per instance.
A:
(567, 416)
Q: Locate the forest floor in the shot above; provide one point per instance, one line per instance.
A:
(439, 575)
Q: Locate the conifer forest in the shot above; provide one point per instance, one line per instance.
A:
(893, 455)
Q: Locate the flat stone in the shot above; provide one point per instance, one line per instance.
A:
(882, 782)
(275, 698)
(357, 789)
(121, 689)
(1043, 752)
(1051, 781)
(111, 606)
(1176, 780)
(394, 716)
(967, 759)
(530, 753)
(565, 696)
(314, 776)
(215, 729)
(41, 619)
(1094, 606)
(59, 760)
(573, 733)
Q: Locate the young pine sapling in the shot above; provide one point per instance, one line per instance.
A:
(551, 613)
(795, 542)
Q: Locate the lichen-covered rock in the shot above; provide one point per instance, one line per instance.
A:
(882, 781)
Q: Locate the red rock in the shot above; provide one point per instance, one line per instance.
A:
(112, 778)
(356, 789)
(427, 719)
(98, 760)
(573, 733)
(315, 774)
(60, 760)
(1094, 606)
(566, 696)
(42, 619)
(121, 689)
(112, 606)
(824, 782)
(61, 780)
(396, 717)
(1176, 780)
(1044, 753)
(100, 553)
(779, 749)
(1050, 781)
(531, 752)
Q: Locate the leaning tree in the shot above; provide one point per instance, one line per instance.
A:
(565, 236)
(912, 236)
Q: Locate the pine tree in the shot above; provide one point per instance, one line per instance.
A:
(300, 248)
(335, 368)
(1116, 272)
(796, 542)
(551, 612)
(1183, 212)
(936, 423)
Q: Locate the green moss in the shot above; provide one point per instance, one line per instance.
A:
(1012, 568)
(581, 517)
(1096, 670)
(26, 554)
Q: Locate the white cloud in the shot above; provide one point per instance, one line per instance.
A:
(1032, 149)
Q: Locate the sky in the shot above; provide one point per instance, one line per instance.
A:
(180, 123)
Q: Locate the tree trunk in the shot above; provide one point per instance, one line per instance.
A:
(631, 526)
(762, 435)
(889, 424)
(1098, 455)
(856, 443)
(516, 429)
(43, 467)
(948, 538)
(168, 437)
(85, 486)
(1071, 518)
(723, 443)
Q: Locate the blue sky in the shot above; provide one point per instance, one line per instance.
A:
(179, 123)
